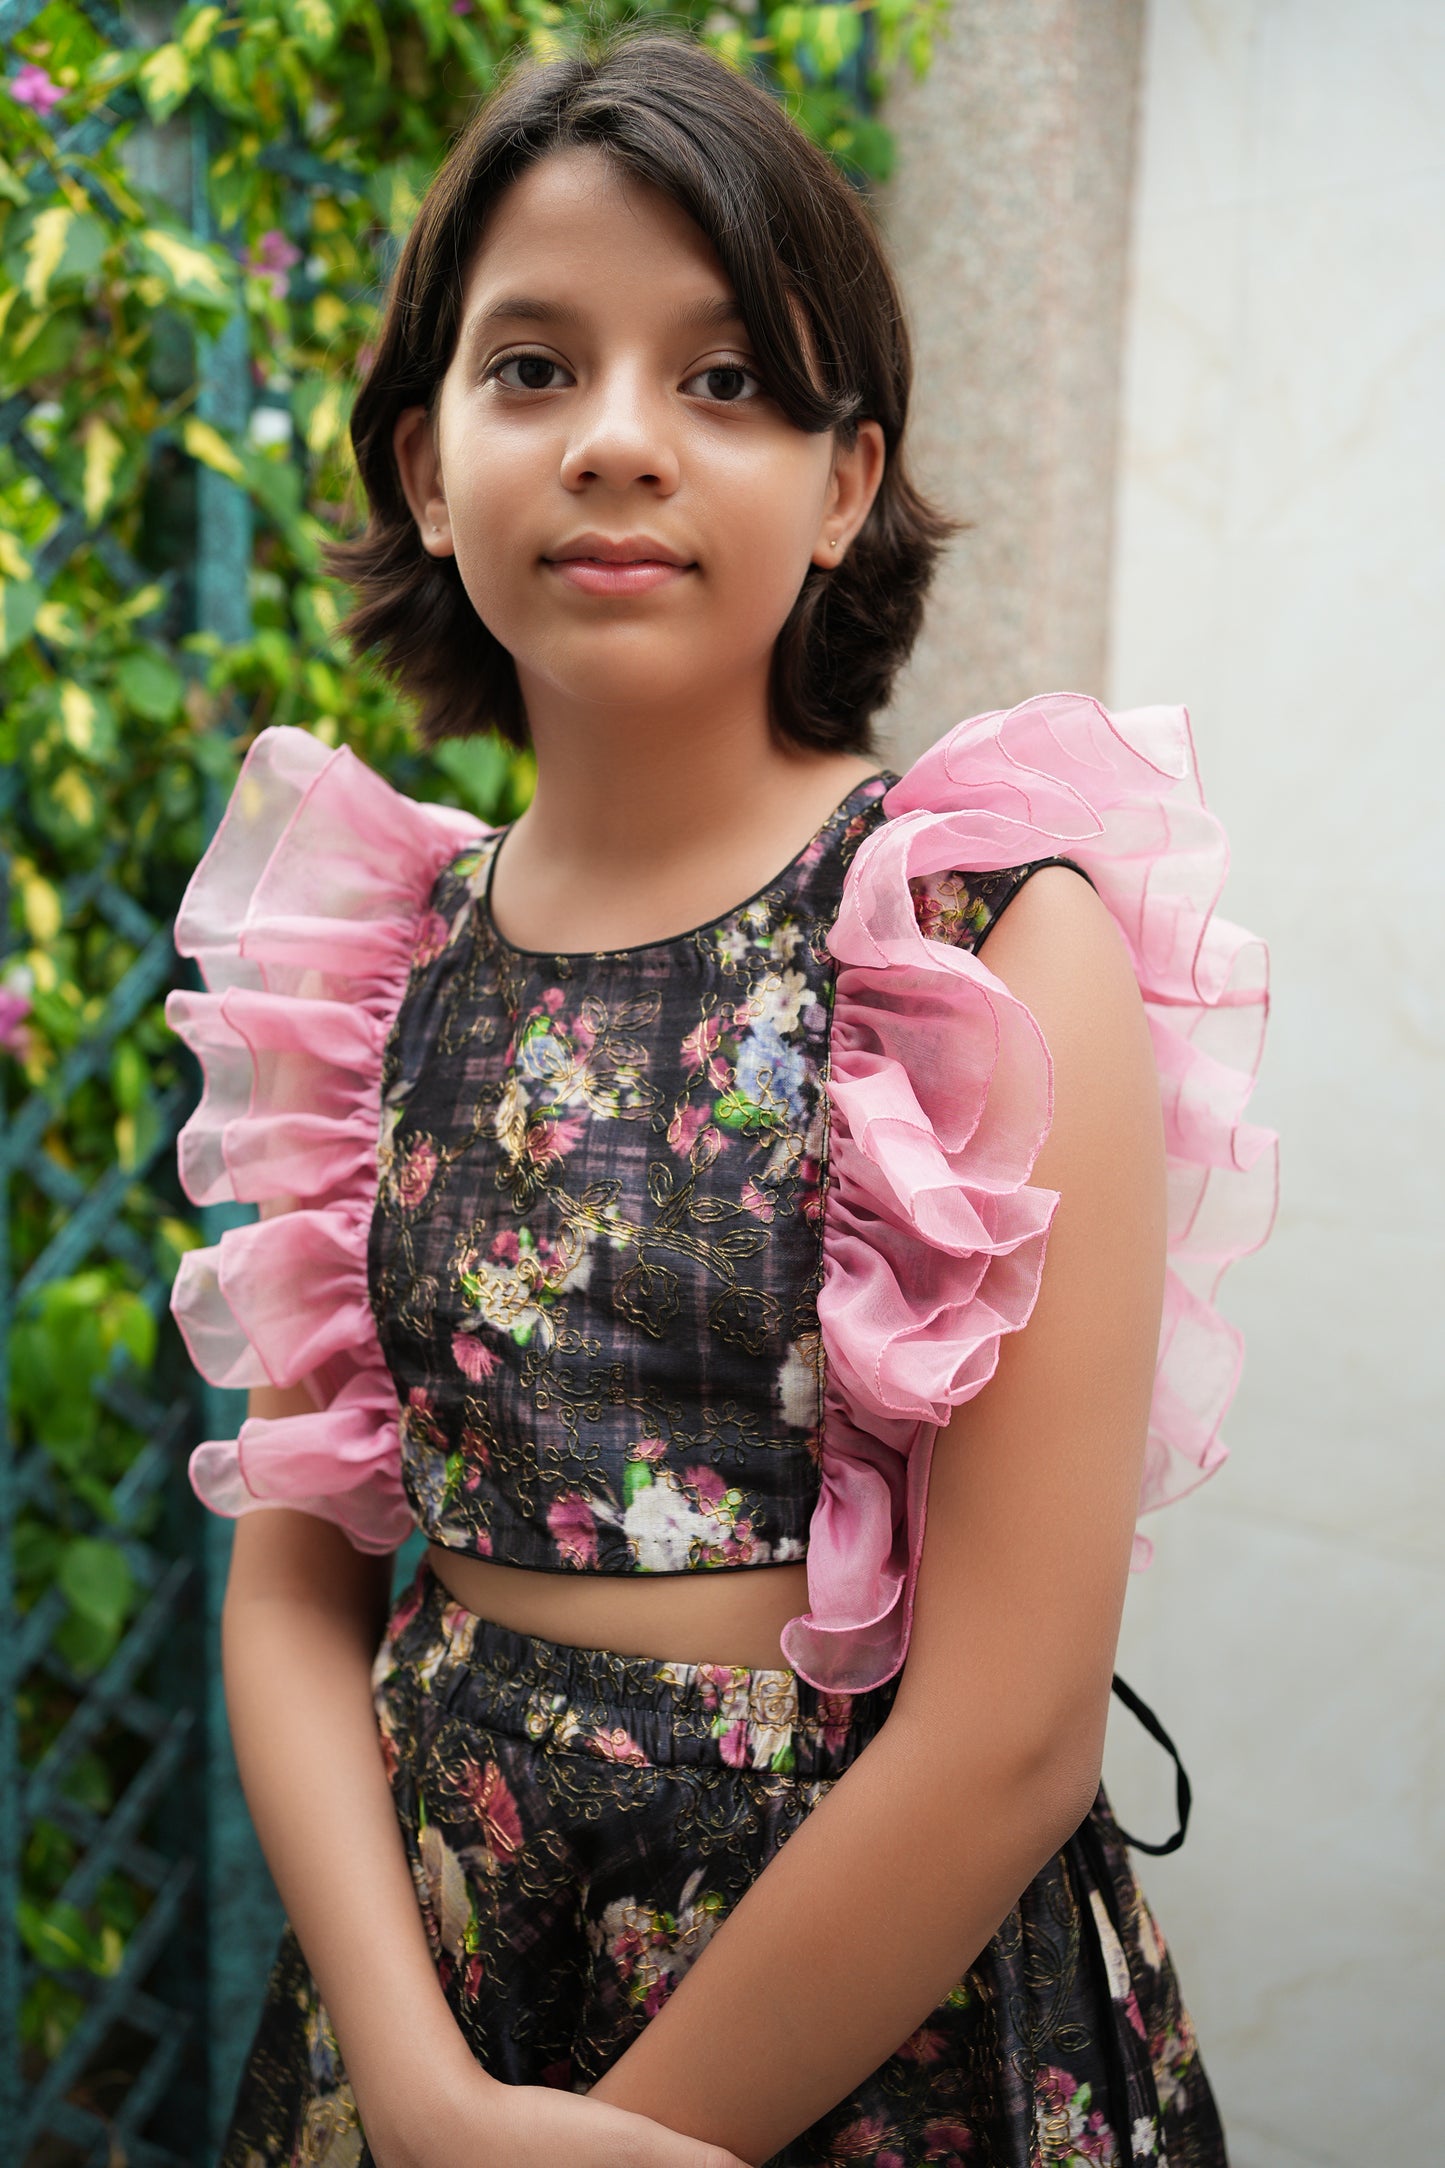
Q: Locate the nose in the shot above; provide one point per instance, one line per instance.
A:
(623, 431)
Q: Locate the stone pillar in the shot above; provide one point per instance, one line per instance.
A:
(1007, 218)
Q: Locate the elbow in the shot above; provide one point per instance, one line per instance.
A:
(1038, 1779)
(1064, 1783)
(1059, 1759)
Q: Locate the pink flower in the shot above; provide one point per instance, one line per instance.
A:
(31, 86)
(683, 1127)
(707, 1483)
(759, 1202)
(272, 259)
(488, 1796)
(697, 1052)
(505, 1246)
(14, 1008)
(431, 939)
(553, 1137)
(627, 1946)
(573, 1529)
(657, 1994)
(618, 1745)
(734, 1745)
(944, 2139)
(647, 1449)
(862, 2135)
(553, 1000)
(472, 1358)
(415, 1173)
(403, 1611)
(476, 1451)
(717, 1678)
(836, 1712)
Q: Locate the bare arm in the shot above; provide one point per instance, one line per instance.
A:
(990, 1757)
(302, 1621)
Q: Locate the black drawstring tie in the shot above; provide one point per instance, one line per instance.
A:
(1182, 1793)
(1087, 1838)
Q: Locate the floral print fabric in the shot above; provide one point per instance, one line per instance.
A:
(579, 1824)
(596, 1249)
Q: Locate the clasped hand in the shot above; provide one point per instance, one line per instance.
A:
(536, 2126)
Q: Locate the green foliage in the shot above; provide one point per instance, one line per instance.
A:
(312, 127)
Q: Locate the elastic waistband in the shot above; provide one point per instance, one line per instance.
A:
(632, 1709)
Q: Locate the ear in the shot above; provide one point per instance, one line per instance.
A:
(857, 472)
(413, 442)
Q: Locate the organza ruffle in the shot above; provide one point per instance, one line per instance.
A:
(941, 1092)
(303, 916)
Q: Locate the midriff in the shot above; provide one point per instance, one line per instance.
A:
(714, 1616)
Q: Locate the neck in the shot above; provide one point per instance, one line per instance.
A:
(622, 788)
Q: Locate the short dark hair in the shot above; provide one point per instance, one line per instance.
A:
(793, 235)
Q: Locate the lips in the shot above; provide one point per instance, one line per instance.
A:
(619, 550)
(619, 565)
(617, 576)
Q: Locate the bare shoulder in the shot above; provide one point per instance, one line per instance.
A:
(1056, 926)
(1059, 950)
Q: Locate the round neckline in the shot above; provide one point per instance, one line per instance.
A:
(643, 948)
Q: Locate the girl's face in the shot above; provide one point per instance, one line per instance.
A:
(602, 398)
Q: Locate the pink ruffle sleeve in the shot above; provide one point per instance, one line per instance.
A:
(303, 917)
(940, 1087)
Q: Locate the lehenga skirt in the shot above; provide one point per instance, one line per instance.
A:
(578, 1825)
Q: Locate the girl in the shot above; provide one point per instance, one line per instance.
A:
(663, 1256)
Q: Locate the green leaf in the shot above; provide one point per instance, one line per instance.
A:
(191, 271)
(96, 1578)
(200, 30)
(87, 720)
(103, 453)
(313, 23)
(20, 602)
(129, 1076)
(152, 686)
(38, 345)
(63, 247)
(133, 1326)
(832, 36)
(637, 1477)
(56, 1936)
(210, 447)
(85, 1645)
(165, 78)
(479, 767)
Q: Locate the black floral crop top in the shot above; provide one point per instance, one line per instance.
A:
(676, 1258)
(595, 1256)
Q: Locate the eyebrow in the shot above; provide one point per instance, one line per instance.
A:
(512, 308)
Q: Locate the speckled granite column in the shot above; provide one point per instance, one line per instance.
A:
(1008, 220)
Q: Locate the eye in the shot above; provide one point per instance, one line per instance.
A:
(522, 361)
(730, 370)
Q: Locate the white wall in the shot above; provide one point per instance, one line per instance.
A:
(1280, 568)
